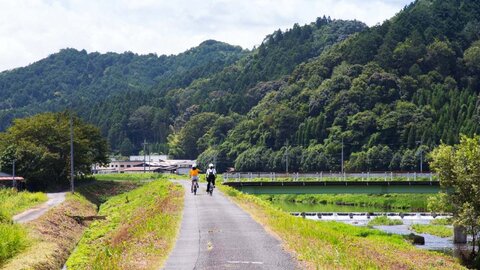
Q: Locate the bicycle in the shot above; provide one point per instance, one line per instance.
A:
(210, 188)
(195, 187)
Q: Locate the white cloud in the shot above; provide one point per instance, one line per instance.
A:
(32, 29)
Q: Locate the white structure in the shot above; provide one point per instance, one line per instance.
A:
(150, 158)
(137, 165)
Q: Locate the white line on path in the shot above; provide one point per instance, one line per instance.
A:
(243, 262)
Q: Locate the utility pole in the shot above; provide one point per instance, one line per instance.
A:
(342, 158)
(144, 154)
(13, 175)
(286, 158)
(149, 157)
(421, 161)
(72, 185)
(421, 155)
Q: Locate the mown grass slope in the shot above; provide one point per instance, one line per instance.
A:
(54, 235)
(333, 245)
(139, 229)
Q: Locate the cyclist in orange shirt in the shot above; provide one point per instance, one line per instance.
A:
(194, 172)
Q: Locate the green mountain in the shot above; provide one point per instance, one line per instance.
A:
(161, 111)
(79, 80)
(386, 96)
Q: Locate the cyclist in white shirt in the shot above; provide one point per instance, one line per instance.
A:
(210, 175)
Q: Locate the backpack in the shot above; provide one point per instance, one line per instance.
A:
(210, 175)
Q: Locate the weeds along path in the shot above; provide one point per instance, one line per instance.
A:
(54, 199)
(216, 234)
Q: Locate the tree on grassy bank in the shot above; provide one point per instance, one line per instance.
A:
(40, 146)
(458, 168)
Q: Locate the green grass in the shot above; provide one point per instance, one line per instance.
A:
(139, 230)
(442, 221)
(399, 202)
(13, 202)
(13, 237)
(438, 230)
(333, 245)
(384, 221)
(134, 176)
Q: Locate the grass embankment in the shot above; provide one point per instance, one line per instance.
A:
(14, 237)
(138, 232)
(53, 236)
(399, 202)
(333, 245)
(384, 221)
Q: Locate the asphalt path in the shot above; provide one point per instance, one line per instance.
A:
(216, 234)
(36, 212)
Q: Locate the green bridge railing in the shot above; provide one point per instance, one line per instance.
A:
(336, 187)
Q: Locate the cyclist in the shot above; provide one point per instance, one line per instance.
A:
(194, 175)
(210, 175)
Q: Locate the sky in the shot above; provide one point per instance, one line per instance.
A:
(30, 30)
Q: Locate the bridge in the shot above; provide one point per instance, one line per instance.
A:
(335, 187)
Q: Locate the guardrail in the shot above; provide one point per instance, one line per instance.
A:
(328, 176)
(335, 187)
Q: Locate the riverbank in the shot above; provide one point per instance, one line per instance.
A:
(325, 245)
(347, 202)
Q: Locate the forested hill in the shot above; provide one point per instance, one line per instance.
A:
(128, 119)
(78, 80)
(390, 94)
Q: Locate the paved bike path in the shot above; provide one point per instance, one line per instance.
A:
(216, 234)
(54, 199)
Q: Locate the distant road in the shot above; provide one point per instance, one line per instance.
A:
(54, 199)
(216, 234)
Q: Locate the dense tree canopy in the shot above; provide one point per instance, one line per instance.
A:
(458, 168)
(40, 146)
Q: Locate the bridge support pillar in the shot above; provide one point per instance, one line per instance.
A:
(459, 235)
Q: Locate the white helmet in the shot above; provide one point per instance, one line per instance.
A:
(210, 165)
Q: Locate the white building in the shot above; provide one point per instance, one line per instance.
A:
(150, 158)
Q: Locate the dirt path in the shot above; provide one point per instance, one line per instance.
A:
(54, 199)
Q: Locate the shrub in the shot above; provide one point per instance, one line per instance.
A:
(384, 221)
